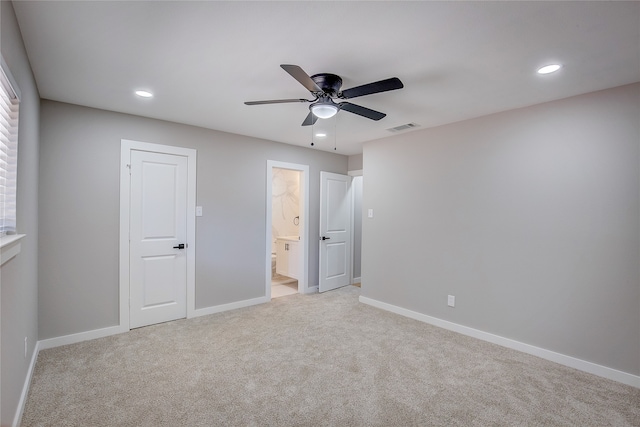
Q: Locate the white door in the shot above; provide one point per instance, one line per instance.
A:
(158, 236)
(335, 231)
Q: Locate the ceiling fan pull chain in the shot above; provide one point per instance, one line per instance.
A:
(335, 134)
(312, 134)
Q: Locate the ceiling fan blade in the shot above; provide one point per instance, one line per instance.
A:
(298, 73)
(361, 111)
(382, 86)
(276, 101)
(310, 120)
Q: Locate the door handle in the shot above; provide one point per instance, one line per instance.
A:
(180, 246)
(326, 238)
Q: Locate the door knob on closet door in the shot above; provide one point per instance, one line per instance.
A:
(180, 246)
(326, 238)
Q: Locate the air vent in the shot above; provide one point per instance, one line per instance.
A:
(403, 127)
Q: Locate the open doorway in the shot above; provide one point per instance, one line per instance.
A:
(287, 205)
(285, 231)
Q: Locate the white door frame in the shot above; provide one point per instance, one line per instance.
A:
(303, 281)
(126, 146)
(353, 174)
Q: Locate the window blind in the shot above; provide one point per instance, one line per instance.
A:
(9, 103)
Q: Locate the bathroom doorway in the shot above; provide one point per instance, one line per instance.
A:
(287, 236)
(285, 231)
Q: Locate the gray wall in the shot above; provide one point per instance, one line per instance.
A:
(79, 212)
(355, 162)
(18, 277)
(529, 217)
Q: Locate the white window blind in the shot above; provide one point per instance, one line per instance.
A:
(9, 103)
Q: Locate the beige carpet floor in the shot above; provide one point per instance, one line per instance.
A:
(313, 360)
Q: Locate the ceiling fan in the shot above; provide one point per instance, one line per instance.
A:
(325, 88)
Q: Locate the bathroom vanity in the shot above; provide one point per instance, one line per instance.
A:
(287, 256)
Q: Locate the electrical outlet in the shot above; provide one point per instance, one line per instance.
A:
(451, 301)
(25, 347)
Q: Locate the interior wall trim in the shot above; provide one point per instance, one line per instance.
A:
(231, 306)
(572, 362)
(17, 419)
(113, 330)
(80, 336)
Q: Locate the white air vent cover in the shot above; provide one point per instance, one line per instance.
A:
(403, 127)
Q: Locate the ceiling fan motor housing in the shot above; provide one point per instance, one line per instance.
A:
(329, 83)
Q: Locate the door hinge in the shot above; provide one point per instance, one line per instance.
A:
(129, 167)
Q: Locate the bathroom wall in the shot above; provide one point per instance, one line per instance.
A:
(286, 204)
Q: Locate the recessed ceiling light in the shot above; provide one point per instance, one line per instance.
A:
(144, 94)
(551, 68)
(321, 135)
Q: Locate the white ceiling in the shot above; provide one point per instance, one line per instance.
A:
(202, 60)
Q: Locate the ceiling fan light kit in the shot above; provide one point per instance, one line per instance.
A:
(325, 87)
(324, 111)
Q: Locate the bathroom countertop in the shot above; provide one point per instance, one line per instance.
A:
(289, 238)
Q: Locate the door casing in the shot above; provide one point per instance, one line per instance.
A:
(126, 146)
(353, 175)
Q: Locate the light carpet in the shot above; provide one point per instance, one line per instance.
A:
(313, 360)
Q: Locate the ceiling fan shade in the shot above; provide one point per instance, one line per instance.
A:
(324, 111)
(325, 87)
(324, 108)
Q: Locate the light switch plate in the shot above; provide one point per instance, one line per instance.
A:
(370, 213)
(451, 301)
(198, 210)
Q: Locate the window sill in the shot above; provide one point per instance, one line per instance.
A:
(9, 247)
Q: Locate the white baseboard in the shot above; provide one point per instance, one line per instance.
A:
(112, 330)
(25, 388)
(572, 362)
(231, 306)
(79, 337)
